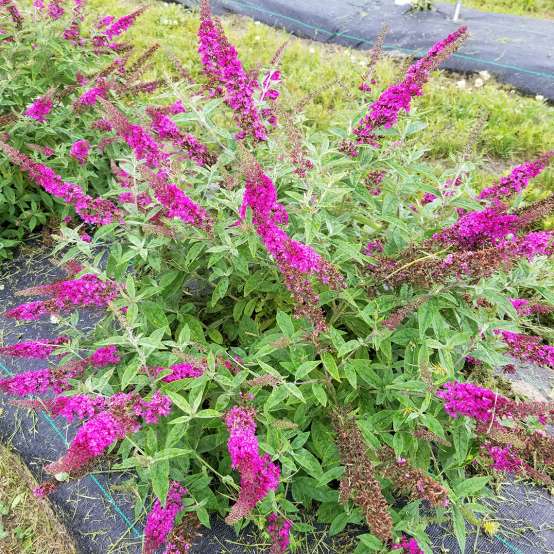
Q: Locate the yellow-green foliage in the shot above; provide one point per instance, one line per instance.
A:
(534, 8)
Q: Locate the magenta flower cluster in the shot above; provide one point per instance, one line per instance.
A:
(260, 195)
(92, 439)
(119, 418)
(39, 109)
(119, 26)
(408, 546)
(528, 348)
(77, 407)
(86, 291)
(96, 211)
(177, 204)
(91, 95)
(279, 531)
(294, 259)
(488, 407)
(161, 519)
(385, 110)
(38, 349)
(79, 151)
(470, 400)
(503, 459)
(180, 371)
(258, 475)
(137, 138)
(480, 229)
(165, 128)
(104, 356)
(517, 180)
(41, 380)
(222, 65)
(526, 308)
(373, 246)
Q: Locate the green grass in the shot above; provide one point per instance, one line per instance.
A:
(27, 525)
(518, 127)
(533, 8)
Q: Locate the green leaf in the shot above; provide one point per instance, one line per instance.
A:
(425, 316)
(208, 414)
(471, 486)
(319, 393)
(305, 368)
(159, 474)
(338, 524)
(168, 453)
(371, 542)
(308, 461)
(459, 528)
(129, 374)
(276, 397)
(331, 365)
(295, 391)
(180, 401)
(285, 323)
(203, 516)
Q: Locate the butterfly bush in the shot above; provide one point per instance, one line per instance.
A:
(83, 292)
(161, 520)
(39, 101)
(275, 312)
(258, 475)
(41, 380)
(38, 349)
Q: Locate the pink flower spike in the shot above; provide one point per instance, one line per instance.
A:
(79, 150)
(258, 474)
(96, 211)
(228, 76)
(31, 311)
(44, 489)
(55, 11)
(38, 349)
(39, 109)
(92, 439)
(104, 356)
(155, 408)
(408, 546)
(161, 519)
(384, 112)
(28, 382)
(77, 407)
(504, 459)
(517, 180)
(181, 371)
(122, 24)
(279, 531)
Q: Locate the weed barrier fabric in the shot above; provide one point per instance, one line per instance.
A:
(518, 51)
(99, 520)
(100, 516)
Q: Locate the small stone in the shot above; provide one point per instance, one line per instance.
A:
(461, 84)
(479, 82)
(528, 391)
(485, 75)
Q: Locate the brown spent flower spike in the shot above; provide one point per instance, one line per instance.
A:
(358, 481)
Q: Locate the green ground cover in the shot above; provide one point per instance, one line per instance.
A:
(533, 8)
(27, 525)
